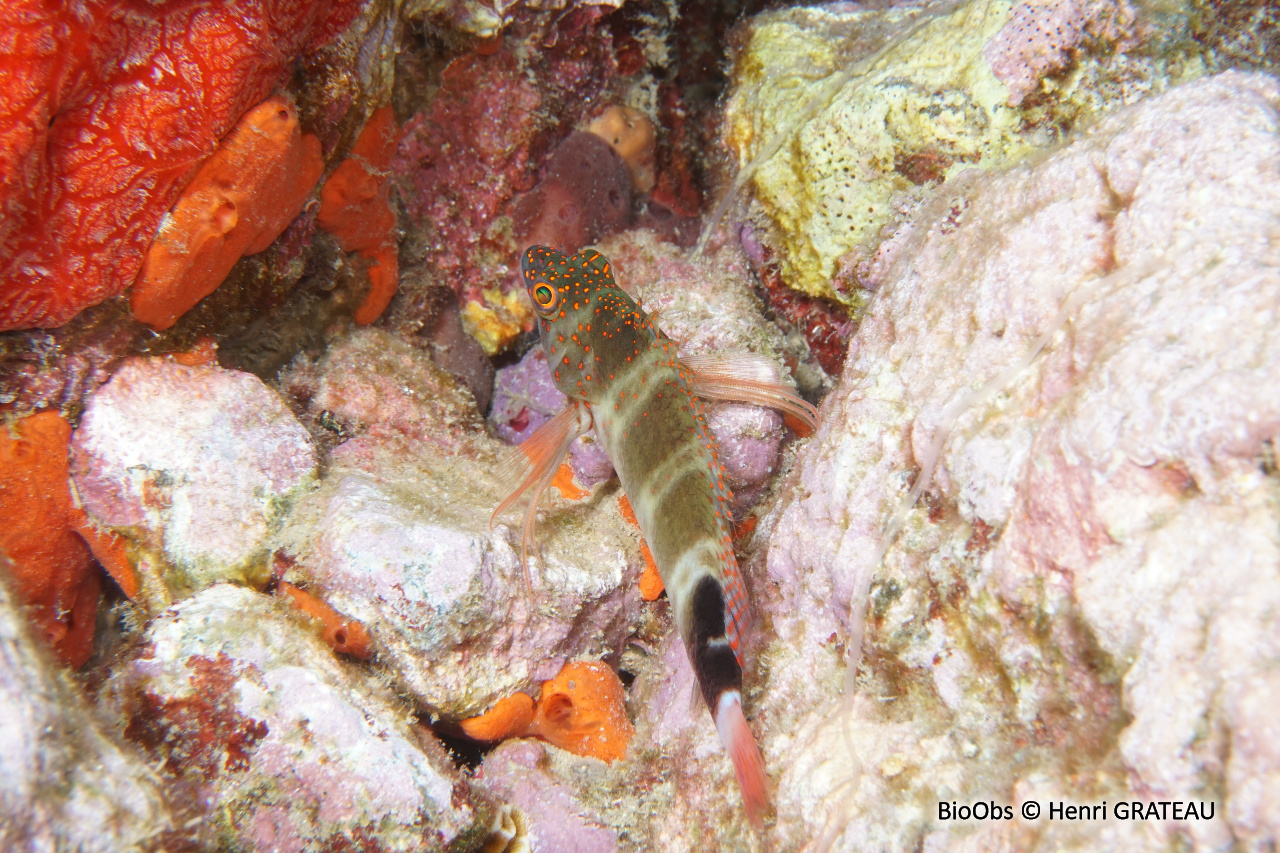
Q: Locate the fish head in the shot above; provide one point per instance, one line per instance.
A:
(590, 326)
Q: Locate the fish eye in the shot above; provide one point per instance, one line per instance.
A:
(544, 295)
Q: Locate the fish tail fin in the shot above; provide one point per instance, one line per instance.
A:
(745, 754)
(719, 674)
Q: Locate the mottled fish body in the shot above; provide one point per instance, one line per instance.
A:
(625, 377)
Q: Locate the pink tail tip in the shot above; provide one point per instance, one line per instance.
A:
(747, 762)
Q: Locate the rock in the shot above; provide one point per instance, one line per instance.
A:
(65, 783)
(398, 537)
(1083, 606)
(851, 110)
(518, 773)
(1073, 360)
(374, 382)
(196, 464)
(277, 744)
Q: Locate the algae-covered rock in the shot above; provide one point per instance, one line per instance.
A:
(276, 743)
(196, 465)
(398, 537)
(1082, 606)
(849, 109)
(65, 783)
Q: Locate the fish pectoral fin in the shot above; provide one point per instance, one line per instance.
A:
(750, 378)
(533, 465)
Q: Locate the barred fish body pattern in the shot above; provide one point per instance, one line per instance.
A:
(606, 353)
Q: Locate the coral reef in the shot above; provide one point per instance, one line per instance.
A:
(1025, 250)
(242, 198)
(494, 119)
(196, 465)
(259, 720)
(96, 148)
(65, 782)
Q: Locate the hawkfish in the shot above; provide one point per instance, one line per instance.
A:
(626, 380)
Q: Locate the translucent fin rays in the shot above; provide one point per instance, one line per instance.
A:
(750, 378)
(533, 464)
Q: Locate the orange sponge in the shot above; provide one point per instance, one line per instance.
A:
(355, 208)
(48, 541)
(581, 710)
(348, 636)
(509, 718)
(239, 202)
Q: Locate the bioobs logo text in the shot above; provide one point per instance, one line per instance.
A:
(977, 811)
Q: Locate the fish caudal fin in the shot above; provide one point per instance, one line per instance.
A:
(745, 754)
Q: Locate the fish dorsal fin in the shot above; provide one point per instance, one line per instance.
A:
(750, 378)
(737, 606)
(533, 464)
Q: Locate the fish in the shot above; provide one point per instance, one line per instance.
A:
(627, 381)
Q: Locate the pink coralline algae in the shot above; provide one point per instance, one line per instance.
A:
(194, 463)
(234, 697)
(516, 773)
(398, 536)
(376, 384)
(1086, 587)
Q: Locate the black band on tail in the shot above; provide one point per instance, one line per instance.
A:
(713, 660)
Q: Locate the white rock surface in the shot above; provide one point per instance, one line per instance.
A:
(1084, 607)
(194, 463)
(65, 783)
(280, 745)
